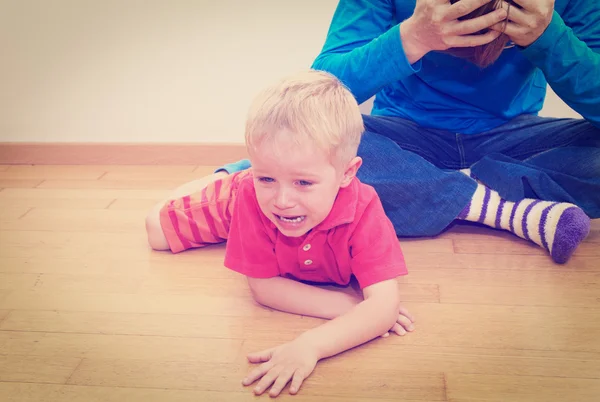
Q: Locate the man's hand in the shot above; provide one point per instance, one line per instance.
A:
(294, 361)
(435, 25)
(404, 324)
(527, 22)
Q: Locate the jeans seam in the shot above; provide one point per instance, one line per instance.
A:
(461, 150)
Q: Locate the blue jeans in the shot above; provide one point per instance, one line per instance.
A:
(415, 170)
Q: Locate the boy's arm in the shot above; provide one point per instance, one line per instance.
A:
(298, 298)
(296, 360)
(365, 321)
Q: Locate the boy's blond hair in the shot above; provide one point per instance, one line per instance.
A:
(309, 108)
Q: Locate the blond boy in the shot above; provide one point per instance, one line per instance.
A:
(299, 215)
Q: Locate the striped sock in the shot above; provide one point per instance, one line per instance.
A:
(558, 227)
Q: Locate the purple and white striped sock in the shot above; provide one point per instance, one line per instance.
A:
(558, 227)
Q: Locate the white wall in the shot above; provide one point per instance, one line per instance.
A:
(150, 70)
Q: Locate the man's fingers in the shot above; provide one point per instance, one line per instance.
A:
(262, 356)
(480, 23)
(473, 40)
(511, 29)
(462, 8)
(280, 383)
(297, 381)
(257, 373)
(515, 14)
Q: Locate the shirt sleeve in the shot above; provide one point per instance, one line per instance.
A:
(568, 54)
(375, 251)
(250, 249)
(363, 47)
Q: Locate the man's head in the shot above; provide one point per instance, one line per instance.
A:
(483, 55)
(302, 136)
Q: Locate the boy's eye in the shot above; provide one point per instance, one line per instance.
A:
(304, 183)
(266, 179)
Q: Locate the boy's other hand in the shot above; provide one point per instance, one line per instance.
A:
(404, 323)
(293, 361)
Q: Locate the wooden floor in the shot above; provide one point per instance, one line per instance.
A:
(89, 313)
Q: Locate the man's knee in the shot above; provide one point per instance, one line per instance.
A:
(156, 237)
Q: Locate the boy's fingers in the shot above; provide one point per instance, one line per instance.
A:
(406, 313)
(257, 373)
(262, 356)
(405, 323)
(280, 383)
(385, 335)
(267, 380)
(397, 328)
(297, 382)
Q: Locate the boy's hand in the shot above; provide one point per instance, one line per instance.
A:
(405, 323)
(294, 361)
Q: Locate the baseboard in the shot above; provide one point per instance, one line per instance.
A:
(14, 153)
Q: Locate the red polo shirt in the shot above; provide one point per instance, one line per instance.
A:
(356, 239)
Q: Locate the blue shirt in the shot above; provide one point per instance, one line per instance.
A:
(364, 50)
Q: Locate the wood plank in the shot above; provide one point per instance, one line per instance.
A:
(325, 381)
(82, 154)
(97, 220)
(425, 260)
(518, 246)
(166, 184)
(505, 327)
(86, 283)
(103, 346)
(557, 295)
(501, 278)
(116, 247)
(19, 343)
(12, 212)
(79, 194)
(386, 354)
(132, 204)
(18, 281)
(474, 387)
(183, 174)
(43, 172)
(3, 168)
(414, 246)
(464, 230)
(3, 314)
(37, 369)
(284, 328)
(134, 303)
(27, 392)
(55, 203)
(19, 183)
(188, 269)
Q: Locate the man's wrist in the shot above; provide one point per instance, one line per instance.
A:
(413, 50)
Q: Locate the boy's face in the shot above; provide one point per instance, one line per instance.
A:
(297, 186)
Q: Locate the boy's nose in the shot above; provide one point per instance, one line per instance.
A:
(283, 200)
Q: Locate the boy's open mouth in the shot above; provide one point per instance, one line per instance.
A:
(291, 219)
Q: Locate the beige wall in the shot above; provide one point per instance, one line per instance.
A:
(150, 71)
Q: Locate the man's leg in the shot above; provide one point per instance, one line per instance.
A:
(542, 158)
(421, 199)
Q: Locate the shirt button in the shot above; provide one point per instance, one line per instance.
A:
(306, 247)
(308, 262)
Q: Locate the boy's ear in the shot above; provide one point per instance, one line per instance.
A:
(351, 170)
